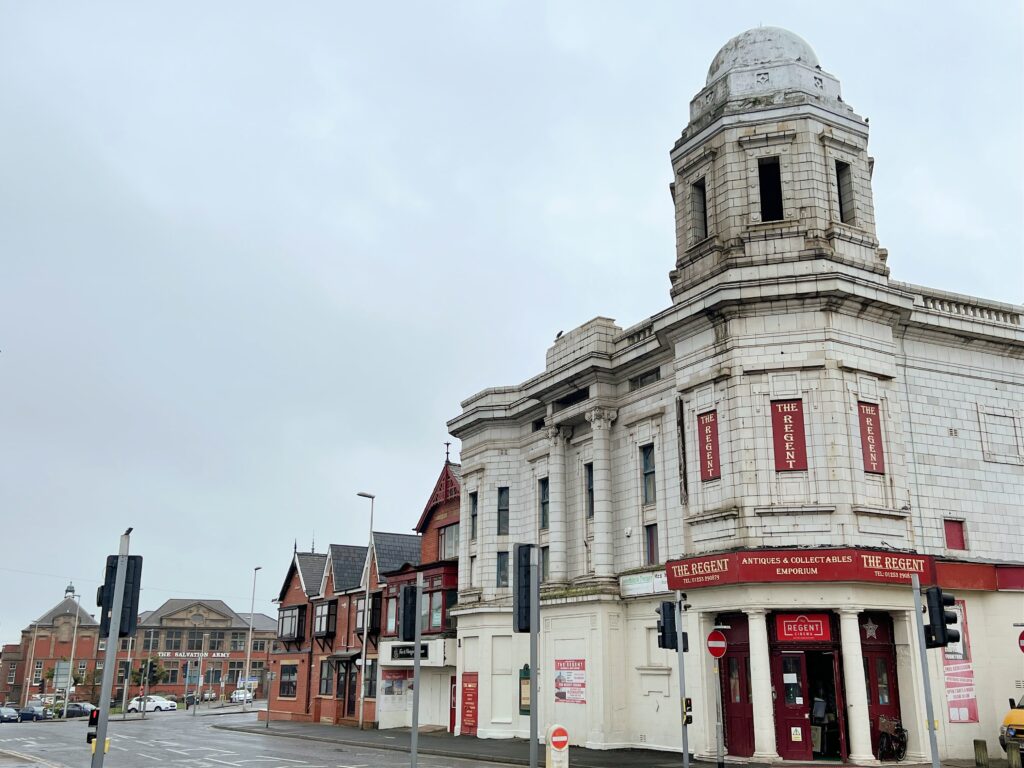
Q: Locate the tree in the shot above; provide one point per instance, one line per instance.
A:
(157, 673)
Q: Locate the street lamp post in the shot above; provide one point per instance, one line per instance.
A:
(248, 644)
(366, 614)
(71, 664)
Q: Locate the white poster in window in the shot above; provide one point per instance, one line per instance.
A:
(394, 685)
(570, 681)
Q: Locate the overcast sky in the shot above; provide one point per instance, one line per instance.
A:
(252, 255)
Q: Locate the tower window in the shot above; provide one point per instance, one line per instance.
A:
(770, 178)
(844, 181)
(699, 203)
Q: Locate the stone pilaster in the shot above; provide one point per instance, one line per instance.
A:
(603, 556)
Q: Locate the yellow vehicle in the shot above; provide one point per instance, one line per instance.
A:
(1013, 725)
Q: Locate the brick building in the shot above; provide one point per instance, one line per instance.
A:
(318, 660)
(439, 532)
(27, 668)
(788, 441)
(180, 630)
(208, 637)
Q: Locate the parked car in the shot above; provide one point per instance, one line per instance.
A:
(32, 713)
(241, 696)
(209, 695)
(74, 709)
(151, 704)
(8, 715)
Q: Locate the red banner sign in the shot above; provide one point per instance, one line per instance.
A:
(707, 430)
(871, 438)
(788, 433)
(801, 627)
(470, 689)
(766, 566)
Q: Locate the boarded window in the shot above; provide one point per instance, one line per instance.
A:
(955, 538)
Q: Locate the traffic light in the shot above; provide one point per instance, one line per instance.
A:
(522, 599)
(94, 722)
(407, 613)
(667, 625)
(130, 602)
(688, 711)
(938, 634)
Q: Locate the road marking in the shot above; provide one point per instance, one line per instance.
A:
(222, 762)
(143, 754)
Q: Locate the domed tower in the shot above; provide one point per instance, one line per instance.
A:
(773, 166)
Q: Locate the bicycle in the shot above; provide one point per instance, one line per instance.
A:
(892, 739)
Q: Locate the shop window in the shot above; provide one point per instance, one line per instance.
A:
(501, 577)
(325, 678)
(503, 507)
(543, 491)
(955, 538)
(289, 681)
(769, 178)
(647, 464)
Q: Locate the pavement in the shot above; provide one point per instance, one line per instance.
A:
(509, 751)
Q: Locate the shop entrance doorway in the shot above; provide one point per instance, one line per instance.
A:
(734, 669)
(807, 687)
(879, 649)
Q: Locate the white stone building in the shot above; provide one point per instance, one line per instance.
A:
(793, 436)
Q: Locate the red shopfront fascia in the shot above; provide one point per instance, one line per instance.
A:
(799, 565)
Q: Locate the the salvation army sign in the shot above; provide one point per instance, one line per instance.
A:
(796, 565)
(802, 627)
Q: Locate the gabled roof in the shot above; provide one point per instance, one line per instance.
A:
(260, 622)
(393, 550)
(176, 605)
(447, 487)
(66, 607)
(310, 567)
(347, 562)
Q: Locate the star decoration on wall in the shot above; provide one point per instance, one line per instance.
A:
(870, 630)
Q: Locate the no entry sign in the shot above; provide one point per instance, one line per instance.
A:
(717, 644)
(559, 738)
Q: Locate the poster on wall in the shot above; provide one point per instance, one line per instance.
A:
(957, 668)
(571, 681)
(394, 684)
(469, 702)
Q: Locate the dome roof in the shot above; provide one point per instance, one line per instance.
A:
(761, 45)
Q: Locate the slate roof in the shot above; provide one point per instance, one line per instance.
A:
(66, 607)
(175, 604)
(393, 550)
(347, 562)
(260, 622)
(311, 570)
